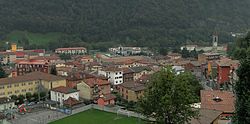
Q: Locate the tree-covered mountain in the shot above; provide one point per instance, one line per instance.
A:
(137, 22)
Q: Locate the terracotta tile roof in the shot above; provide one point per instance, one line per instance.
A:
(228, 62)
(71, 101)
(218, 100)
(92, 81)
(206, 116)
(112, 69)
(144, 79)
(47, 58)
(127, 70)
(133, 86)
(30, 77)
(140, 69)
(195, 63)
(65, 90)
(108, 97)
(32, 62)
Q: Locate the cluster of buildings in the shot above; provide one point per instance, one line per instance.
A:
(98, 78)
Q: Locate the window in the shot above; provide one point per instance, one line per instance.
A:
(2, 93)
(30, 83)
(23, 90)
(9, 92)
(9, 86)
(126, 91)
(126, 96)
(16, 85)
(1, 87)
(116, 82)
(120, 72)
(116, 73)
(30, 89)
(17, 91)
(23, 84)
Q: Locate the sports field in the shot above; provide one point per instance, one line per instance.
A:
(94, 116)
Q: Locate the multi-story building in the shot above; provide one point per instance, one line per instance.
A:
(7, 57)
(62, 93)
(224, 69)
(205, 57)
(131, 91)
(92, 88)
(26, 66)
(71, 51)
(31, 82)
(114, 75)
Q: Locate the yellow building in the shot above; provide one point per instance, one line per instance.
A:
(13, 47)
(29, 83)
(131, 91)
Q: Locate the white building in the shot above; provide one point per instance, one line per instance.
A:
(126, 50)
(178, 69)
(6, 103)
(114, 75)
(72, 51)
(60, 94)
(189, 47)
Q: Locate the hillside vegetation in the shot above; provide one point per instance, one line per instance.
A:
(133, 22)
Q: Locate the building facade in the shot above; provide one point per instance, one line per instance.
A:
(23, 67)
(71, 51)
(62, 93)
(131, 91)
(29, 83)
(114, 75)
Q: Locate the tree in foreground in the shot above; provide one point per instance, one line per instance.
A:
(2, 73)
(168, 97)
(242, 89)
(53, 70)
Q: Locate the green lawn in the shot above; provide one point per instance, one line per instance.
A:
(93, 116)
(34, 38)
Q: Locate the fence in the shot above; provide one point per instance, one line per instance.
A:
(106, 109)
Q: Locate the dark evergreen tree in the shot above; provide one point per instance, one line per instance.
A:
(2, 73)
(242, 90)
(53, 70)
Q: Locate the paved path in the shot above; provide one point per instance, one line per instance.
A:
(40, 117)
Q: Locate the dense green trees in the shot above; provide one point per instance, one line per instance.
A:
(242, 90)
(2, 73)
(131, 22)
(240, 49)
(53, 70)
(168, 97)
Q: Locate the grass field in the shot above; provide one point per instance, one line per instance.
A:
(93, 116)
(34, 38)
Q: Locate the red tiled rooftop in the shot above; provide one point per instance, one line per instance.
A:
(65, 90)
(208, 100)
(92, 81)
(108, 97)
(71, 101)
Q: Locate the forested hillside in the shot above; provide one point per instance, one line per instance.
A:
(138, 22)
